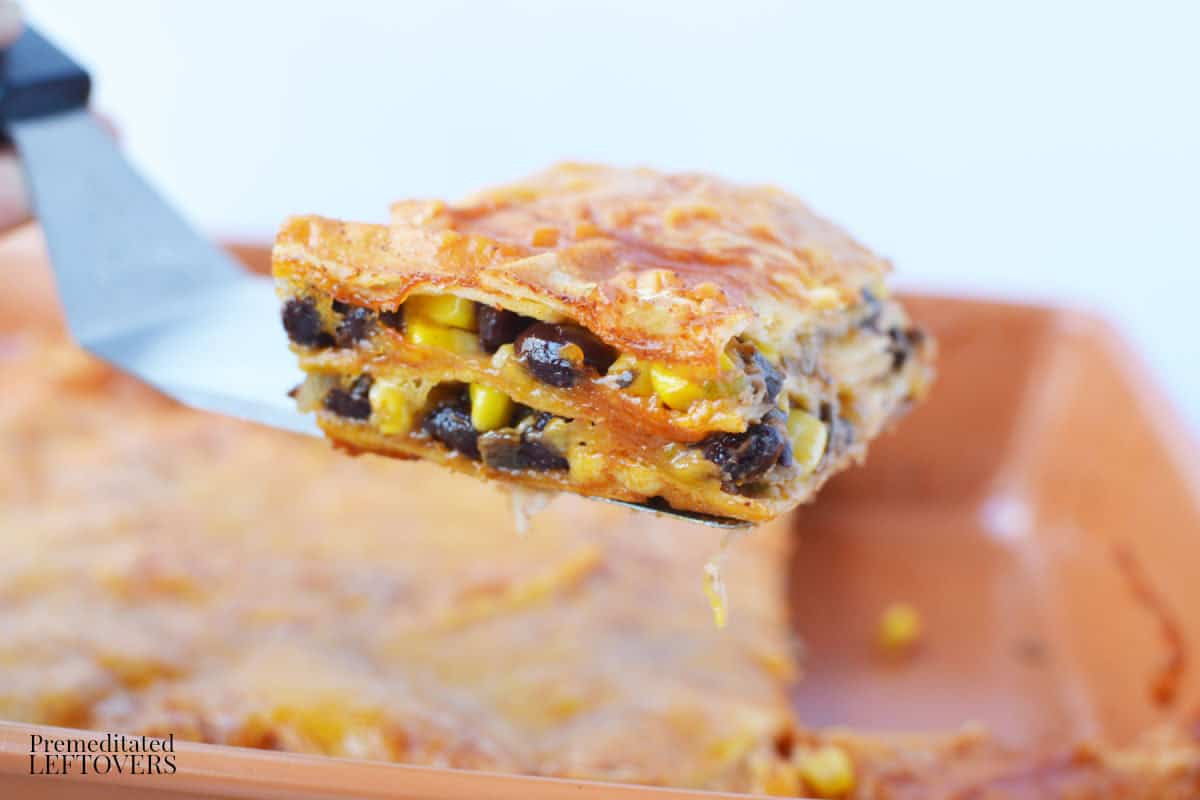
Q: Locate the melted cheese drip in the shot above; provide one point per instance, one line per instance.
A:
(525, 504)
(714, 582)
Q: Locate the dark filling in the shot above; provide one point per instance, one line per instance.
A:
(498, 326)
(540, 348)
(393, 319)
(903, 342)
(519, 448)
(772, 378)
(357, 324)
(518, 451)
(302, 322)
(353, 403)
(451, 425)
(744, 457)
(874, 310)
(841, 431)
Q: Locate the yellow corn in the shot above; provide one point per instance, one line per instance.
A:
(899, 627)
(809, 437)
(429, 334)
(490, 409)
(544, 236)
(587, 466)
(673, 388)
(444, 309)
(641, 386)
(767, 349)
(389, 403)
(827, 771)
(780, 780)
(571, 352)
(586, 230)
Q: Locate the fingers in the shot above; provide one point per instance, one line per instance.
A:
(14, 205)
(11, 23)
(14, 199)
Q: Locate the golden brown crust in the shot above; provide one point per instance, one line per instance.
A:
(668, 267)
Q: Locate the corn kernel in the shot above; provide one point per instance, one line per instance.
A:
(809, 437)
(781, 780)
(641, 386)
(429, 334)
(899, 627)
(675, 390)
(587, 466)
(827, 771)
(571, 352)
(824, 298)
(389, 403)
(544, 236)
(490, 409)
(444, 309)
(586, 230)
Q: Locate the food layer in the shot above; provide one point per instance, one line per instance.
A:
(666, 339)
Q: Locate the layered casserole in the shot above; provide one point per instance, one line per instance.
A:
(670, 340)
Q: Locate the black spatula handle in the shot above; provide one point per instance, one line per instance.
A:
(37, 79)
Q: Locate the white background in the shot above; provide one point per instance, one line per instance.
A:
(1031, 150)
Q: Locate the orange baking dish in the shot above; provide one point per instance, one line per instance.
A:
(1042, 509)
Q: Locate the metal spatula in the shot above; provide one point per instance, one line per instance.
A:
(140, 288)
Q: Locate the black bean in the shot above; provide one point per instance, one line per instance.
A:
(499, 326)
(393, 319)
(302, 322)
(841, 430)
(772, 377)
(874, 309)
(356, 325)
(745, 456)
(451, 425)
(777, 419)
(353, 403)
(340, 307)
(903, 342)
(540, 346)
(508, 450)
(541, 457)
(540, 420)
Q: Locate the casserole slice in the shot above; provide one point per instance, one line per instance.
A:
(673, 340)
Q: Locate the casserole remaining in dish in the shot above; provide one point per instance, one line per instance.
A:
(160, 573)
(663, 339)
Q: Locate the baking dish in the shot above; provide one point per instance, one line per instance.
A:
(1042, 511)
